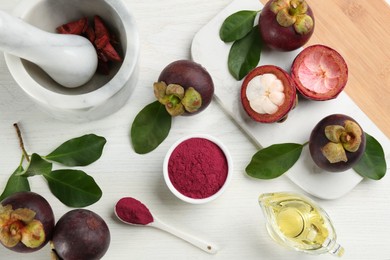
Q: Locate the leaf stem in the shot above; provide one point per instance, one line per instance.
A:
(304, 144)
(21, 160)
(21, 144)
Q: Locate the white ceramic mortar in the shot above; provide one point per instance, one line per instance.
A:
(103, 94)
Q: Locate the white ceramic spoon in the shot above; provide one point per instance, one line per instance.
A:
(207, 247)
(70, 60)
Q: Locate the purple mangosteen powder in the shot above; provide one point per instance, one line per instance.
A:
(197, 168)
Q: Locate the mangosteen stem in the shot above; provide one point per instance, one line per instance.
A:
(54, 255)
(21, 144)
(346, 137)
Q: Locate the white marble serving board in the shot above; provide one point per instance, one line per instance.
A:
(208, 50)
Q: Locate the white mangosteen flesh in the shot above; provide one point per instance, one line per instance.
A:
(265, 93)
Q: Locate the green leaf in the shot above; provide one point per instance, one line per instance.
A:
(273, 161)
(74, 188)
(80, 151)
(37, 166)
(245, 54)
(150, 127)
(373, 163)
(237, 25)
(15, 183)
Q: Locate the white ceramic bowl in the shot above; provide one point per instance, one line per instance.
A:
(103, 94)
(195, 200)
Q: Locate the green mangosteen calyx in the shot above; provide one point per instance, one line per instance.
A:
(176, 99)
(341, 139)
(20, 225)
(293, 13)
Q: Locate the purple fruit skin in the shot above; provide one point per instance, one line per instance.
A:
(44, 213)
(318, 140)
(81, 234)
(187, 74)
(278, 37)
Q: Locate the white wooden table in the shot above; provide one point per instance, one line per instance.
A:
(234, 221)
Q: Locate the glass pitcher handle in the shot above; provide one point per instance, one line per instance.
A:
(334, 248)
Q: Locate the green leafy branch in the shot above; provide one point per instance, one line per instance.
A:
(273, 161)
(74, 188)
(244, 54)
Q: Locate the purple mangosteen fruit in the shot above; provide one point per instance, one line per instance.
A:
(184, 87)
(320, 72)
(268, 94)
(286, 25)
(80, 234)
(337, 143)
(26, 222)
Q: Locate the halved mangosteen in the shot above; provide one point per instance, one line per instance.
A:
(268, 93)
(320, 72)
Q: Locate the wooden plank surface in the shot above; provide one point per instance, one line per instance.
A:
(360, 31)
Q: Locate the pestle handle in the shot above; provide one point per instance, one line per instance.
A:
(14, 31)
(71, 60)
(24, 40)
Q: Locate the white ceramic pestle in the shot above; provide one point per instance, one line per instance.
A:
(70, 60)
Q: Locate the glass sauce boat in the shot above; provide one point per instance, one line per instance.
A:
(298, 223)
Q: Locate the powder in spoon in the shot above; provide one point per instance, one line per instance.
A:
(197, 168)
(133, 211)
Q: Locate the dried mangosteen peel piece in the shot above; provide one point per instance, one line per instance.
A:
(294, 13)
(342, 139)
(176, 99)
(19, 225)
(75, 27)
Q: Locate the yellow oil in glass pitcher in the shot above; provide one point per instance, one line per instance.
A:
(297, 222)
